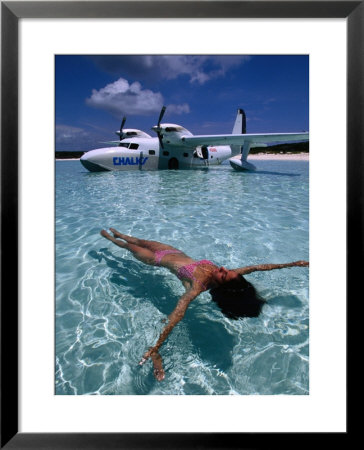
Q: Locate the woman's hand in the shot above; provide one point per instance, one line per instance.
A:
(157, 362)
(302, 263)
(158, 366)
(147, 355)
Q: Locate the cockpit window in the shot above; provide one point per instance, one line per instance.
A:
(132, 133)
(129, 145)
(174, 128)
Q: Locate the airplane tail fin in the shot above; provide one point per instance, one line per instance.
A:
(240, 123)
(239, 128)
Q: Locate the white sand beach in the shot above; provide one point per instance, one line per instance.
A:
(67, 159)
(279, 156)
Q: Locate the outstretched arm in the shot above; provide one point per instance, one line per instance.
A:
(173, 319)
(262, 267)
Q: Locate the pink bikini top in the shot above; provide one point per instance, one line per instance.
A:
(187, 271)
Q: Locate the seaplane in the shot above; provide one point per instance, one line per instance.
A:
(177, 148)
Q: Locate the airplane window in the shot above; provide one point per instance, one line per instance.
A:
(124, 144)
(133, 146)
(132, 133)
(165, 153)
(151, 152)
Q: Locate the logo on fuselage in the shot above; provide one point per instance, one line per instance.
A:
(126, 161)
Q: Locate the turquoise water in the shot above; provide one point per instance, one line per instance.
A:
(110, 307)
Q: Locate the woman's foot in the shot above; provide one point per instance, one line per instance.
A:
(106, 235)
(117, 234)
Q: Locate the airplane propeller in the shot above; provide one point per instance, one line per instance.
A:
(121, 127)
(157, 129)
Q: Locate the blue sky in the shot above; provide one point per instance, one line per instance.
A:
(202, 93)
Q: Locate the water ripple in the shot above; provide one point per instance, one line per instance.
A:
(110, 308)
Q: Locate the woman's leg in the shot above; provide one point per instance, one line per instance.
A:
(151, 245)
(143, 254)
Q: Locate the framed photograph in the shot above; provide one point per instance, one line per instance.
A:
(47, 51)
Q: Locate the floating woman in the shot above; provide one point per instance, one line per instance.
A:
(235, 296)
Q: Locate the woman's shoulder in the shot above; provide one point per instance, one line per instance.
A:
(206, 261)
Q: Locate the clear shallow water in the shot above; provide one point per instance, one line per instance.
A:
(110, 307)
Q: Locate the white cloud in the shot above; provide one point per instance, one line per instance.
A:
(66, 133)
(73, 138)
(199, 68)
(179, 109)
(122, 97)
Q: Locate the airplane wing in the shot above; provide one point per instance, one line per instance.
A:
(239, 139)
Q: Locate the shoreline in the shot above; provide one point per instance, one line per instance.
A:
(258, 156)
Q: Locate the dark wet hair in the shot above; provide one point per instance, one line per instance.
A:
(238, 298)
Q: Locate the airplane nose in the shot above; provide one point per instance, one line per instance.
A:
(92, 167)
(90, 161)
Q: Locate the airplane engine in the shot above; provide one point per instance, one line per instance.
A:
(202, 152)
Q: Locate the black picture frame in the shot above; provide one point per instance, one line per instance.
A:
(11, 13)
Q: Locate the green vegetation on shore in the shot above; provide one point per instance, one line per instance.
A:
(69, 155)
(294, 147)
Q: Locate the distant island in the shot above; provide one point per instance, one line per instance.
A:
(69, 155)
(296, 147)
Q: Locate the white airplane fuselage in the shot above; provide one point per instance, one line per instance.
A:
(147, 154)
